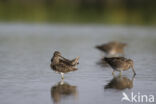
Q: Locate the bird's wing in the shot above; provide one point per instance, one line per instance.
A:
(116, 61)
(65, 61)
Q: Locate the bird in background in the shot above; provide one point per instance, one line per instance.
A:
(113, 48)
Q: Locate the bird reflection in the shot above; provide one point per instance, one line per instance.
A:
(61, 90)
(120, 83)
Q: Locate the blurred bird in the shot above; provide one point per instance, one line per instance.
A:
(62, 65)
(113, 48)
(120, 64)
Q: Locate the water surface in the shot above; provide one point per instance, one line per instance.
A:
(26, 77)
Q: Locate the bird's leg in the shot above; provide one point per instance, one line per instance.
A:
(62, 75)
(113, 73)
(123, 54)
(133, 70)
(62, 82)
(120, 73)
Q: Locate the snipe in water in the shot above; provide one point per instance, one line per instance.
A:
(62, 65)
(113, 48)
(120, 64)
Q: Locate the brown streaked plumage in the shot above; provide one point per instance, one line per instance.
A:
(120, 64)
(62, 65)
(62, 89)
(112, 48)
(120, 83)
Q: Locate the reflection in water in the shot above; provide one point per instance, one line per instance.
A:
(120, 83)
(61, 90)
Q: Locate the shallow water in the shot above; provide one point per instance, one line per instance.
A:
(26, 77)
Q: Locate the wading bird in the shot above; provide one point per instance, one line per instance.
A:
(120, 64)
(62, 65)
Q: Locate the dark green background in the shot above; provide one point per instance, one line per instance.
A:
(140, 12)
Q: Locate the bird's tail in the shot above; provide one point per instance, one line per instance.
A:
(98, 47)
(75, 61)
(106, 59)
(73, 69)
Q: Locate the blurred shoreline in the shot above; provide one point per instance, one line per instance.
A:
(131, 12)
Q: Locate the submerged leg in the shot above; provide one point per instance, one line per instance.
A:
(113, 72)
(120, 73)
(62, 75)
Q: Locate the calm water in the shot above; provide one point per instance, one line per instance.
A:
(26, 50)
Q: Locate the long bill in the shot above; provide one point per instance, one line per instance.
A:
(63, 57)
(133, 70)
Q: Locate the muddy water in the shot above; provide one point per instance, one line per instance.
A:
(26, 50)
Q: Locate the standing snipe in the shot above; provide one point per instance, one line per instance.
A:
(62, 65)
(120, 64)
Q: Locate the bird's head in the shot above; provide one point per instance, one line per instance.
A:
(130, 62)
(57, 53)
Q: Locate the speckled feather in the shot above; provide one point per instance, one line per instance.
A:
(62, 68)
(118, 63)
